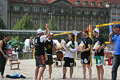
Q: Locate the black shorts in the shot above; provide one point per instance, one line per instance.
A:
(68, 62)
(50, 60)
(40, 61)
(85, 59)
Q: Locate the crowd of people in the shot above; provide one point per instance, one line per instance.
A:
(43, 45)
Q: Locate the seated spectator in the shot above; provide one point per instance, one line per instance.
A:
(19, 49)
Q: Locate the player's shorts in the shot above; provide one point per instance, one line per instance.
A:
(68, 62)
(50, 60)
(99, 60)
(40, 61)
(85, 59)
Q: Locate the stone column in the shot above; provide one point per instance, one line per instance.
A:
(58, 21)
(67, 19)
(75, 25)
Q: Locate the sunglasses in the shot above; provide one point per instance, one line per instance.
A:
(115, 27)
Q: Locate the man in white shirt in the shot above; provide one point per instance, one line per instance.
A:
(40, 52)
(70, 49)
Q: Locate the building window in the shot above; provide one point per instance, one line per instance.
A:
(43, 1)
(78, 12)
(118, 12)
(34, 0)
(16, 8)
(94, 13)
(62, 22)
(86, 23)
(112, 5)
(114, 12)
(100, 4)
(93, 3)
(70, 22)
(118, 5)
(114, 18)
(44, 9)
(86, 12)
(35, 9)
(85, 3)
(93, 22)
(62, 11)
(0, 8)
(119, 17)
(69, 11)
(44, 20)
(78, 23)
(35, 21)
(16, 20)
(77, 2)
(26, 9)
(25, 0)
(101, 13)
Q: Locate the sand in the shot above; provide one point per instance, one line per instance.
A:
(27, 68)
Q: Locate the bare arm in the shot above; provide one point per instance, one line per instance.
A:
(47, 30)
(110, 38)
(88, 49)
(44, 37)
(7, 53)
(102, 47)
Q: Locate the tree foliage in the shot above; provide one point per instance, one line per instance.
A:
(52, 24)
(2, 25)
(24, 24)
(104, 32)
(42, 26)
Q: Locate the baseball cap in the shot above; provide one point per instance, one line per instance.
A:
(40, 31)
(117, 26)
(97, 30)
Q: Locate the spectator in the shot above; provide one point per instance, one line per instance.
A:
(31, 43)
(3, 55)
(19, 49)
(115, 39)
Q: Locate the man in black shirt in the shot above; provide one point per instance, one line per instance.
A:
(49, 47)
(85, 54)
(19, 49)
(40, 52)
(99, 53)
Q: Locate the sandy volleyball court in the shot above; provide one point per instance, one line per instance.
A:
(27, 68)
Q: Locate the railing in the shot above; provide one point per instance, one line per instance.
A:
(25, 55)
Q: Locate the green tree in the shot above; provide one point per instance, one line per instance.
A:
(2, 25)
(104, 32)
(42, 26)
(52, 24)
(24, 24)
